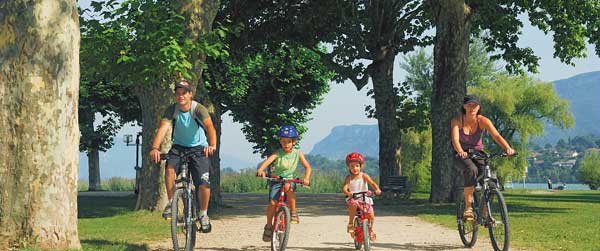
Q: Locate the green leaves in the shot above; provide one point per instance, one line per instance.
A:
(589, 171)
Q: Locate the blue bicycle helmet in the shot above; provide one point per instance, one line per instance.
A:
(288, 131)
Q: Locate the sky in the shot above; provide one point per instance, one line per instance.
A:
(344, 105)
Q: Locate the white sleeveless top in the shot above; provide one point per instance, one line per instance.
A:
(360, 185)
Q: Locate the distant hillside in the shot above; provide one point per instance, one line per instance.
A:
(583, 93)
(349, 138)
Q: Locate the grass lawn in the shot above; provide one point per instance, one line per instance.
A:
(539, 220)
(109, 223)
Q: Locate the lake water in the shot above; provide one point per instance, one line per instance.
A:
(545, 186)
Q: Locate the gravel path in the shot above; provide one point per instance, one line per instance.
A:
(322, 227)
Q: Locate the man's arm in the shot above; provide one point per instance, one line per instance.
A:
(158, 138)
(211, 133)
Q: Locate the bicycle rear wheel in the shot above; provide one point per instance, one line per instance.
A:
(183, 227)
(498, 222)
(357, 234)
(467, 230)
(366, 235)
(281, 229)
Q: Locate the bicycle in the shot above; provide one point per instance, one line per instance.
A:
(489, 208)
(281, 220)
(184, 207)
(362, 227)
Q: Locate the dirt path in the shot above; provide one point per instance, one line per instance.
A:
(322, 227)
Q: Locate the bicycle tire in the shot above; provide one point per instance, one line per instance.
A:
(500, 231)
(182, 232)
(281, 229)
(357, 243)
(467, 230)
(366, 235)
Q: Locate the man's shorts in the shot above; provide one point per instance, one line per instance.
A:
(198, 164)
(274, 188)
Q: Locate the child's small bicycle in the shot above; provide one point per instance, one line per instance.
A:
(281, 220)
(362, 227)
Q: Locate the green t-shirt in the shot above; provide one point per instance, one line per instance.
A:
(286, 163)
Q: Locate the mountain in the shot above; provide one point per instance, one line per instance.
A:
(349, 138)
(583, 93)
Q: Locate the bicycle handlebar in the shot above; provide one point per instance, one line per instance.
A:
(283, 180)
(480, 155)
(359, 194)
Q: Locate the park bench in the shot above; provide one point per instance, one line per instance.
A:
(395, 187)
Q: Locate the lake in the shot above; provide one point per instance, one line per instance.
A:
(545, 186)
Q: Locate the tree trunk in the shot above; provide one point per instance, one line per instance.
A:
(385, 112)
(39, 132)
(154, 99)
(451, 52)
(199, 23)
(94, 170)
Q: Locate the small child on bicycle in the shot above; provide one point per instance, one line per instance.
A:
(285, 161)
(356, 182)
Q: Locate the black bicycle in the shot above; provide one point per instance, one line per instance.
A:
(489, 208)
(184, 207)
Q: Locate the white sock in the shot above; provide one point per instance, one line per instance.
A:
(203, 212)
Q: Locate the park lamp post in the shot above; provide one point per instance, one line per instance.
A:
(128, 139)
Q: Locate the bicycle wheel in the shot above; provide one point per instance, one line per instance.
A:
(357, 234)
(498, 222)
(183, 227)
(281, 229)
(467, 230)
(366, 235)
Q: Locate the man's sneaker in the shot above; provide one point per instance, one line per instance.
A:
(167, 212)
(205, 226)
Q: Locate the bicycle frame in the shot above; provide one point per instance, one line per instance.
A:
(281, 202)
(362, 214)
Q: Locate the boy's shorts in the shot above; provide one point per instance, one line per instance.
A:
(199, 165)
(274, 188)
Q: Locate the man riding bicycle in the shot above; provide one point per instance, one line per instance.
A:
(193, 131)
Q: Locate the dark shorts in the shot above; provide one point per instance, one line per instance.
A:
(199, 165)
(470, 170)
(274, 188)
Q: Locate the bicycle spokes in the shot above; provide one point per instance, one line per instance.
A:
(497, 221)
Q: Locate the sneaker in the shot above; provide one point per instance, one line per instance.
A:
(268, 234)
(205, 225)
(167, 212)
(294, 219)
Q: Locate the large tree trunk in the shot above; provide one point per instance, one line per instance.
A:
(385, 112)
(39, 132)
(154, 99)
(451, 53)
(200, 15)
(94, 169)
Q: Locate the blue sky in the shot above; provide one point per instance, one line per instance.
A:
(347, 104)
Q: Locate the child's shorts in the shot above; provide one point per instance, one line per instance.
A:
(353, 202)
(274, 188)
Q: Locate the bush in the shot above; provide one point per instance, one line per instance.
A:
(590, 170)
(118, 184)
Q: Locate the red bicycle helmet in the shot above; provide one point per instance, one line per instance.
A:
(354, 156)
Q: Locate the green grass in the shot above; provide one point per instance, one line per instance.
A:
(539, 220)
(111, 224)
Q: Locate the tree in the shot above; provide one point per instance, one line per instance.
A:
(114, 101)
(38, 130)
(457, 20)
(158, 42)
(589, 172)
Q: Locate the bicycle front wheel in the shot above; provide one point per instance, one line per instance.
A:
(281, 229)
(498, 222)
(357, 234)
(467, 230)
(366, 235)
(183, 227)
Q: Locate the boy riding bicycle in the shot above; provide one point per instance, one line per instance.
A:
(285, 161)
(193, 131)
(355, 182)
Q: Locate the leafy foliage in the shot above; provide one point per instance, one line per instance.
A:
(590, 170)
(416, 158)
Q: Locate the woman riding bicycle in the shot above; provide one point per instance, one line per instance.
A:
(467, 133)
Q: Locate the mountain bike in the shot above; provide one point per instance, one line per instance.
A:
(362, 227)
(489, 208)
(281, 220)
(184, 207)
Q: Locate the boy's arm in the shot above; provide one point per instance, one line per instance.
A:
(372, 183)
(345, 189)
(261, 169)
(307, 168)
